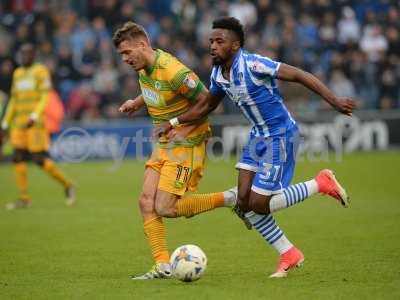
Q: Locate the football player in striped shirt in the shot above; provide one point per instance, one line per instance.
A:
(267, 164)
(168, 89)
(24, 119)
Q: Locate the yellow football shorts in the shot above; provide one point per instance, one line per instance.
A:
(31, 139)
(180, 168)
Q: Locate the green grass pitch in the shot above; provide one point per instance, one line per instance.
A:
(87, 252)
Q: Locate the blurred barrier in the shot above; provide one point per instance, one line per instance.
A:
(322, 133)
(108, 140)
(338, 133)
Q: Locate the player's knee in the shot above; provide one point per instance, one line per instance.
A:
(146, 203)
(243, 200)
(164, 210)
(243, 205)
(260, 204)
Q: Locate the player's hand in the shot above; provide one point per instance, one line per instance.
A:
(163, 128)
(344, 105)
(180, 134)
(30, 123)
(129, 107)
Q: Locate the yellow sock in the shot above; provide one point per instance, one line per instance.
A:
(194, 204)
(21, 178)
(51, 168)
(154, 230)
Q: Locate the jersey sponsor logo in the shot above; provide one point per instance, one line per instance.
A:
(151, 96)
(25, 84)
(236, 93)
(189, 82)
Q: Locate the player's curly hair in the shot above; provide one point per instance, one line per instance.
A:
(127, 31)
(230, 23)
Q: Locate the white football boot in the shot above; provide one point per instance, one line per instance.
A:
(158, 271)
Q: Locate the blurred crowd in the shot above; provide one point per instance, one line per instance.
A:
(353, 46)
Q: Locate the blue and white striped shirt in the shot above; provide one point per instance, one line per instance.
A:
(252, 87)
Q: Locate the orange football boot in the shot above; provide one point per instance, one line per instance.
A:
(328, 185)
(288, 260)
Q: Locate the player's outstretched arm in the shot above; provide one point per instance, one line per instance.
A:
(130, 106)
(344, 105)
(9, 114)
(205, 103)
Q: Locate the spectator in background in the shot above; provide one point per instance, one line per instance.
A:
(348, 27)
(40, 33)
(105, 84)
(100, 32)
(83, 102)
(90, 59)
(7, 66)
(110, 12)
(66, 75)
(374, 43)
(80, 39)
(388, 91)
(245, 11)
(271, 32)
(22, 36)
(393, 17)
(341, 85)
(128, 10)
(327, 32)
(151, 25)
(392, 34)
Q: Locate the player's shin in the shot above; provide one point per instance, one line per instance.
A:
(155, 233)
(50, 167)
(270, 231)
(21, 179)
(193, 204)
(292, 195)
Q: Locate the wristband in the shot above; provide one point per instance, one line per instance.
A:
(33, 116)
(4, 125)
(174, 122)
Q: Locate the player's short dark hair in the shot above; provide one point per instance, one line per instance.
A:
(230, 23)
(128, 31)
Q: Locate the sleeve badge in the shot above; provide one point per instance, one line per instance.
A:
(189, 82)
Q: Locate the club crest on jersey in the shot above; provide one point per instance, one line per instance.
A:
(157, 85)
(189, 82)
(259, 67)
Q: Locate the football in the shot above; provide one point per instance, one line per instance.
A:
(188, 263)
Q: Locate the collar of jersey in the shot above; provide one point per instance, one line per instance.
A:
(150, 70)
(236, 59)
(220, 77)
(30, 67)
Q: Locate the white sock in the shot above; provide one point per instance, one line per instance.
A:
(271, 233)
(230, 197)
(292, 195)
